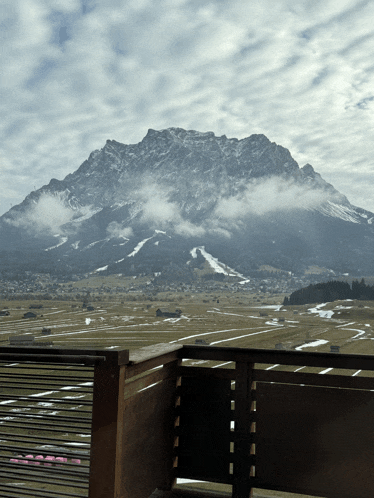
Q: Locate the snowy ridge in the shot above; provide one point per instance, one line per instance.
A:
(345, 213)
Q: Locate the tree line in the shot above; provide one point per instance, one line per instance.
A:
(331, 291)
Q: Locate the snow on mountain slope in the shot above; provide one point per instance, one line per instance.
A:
(216, 265)
(138, 247)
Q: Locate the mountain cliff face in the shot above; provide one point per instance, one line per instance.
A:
(188, 199)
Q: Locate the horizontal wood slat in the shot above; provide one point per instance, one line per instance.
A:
(164, 373)
(140, 363)
(314, 379)
(218, 373)
(267, 356)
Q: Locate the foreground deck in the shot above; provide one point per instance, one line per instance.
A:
(136, 423)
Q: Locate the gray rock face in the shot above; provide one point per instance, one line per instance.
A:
(139, 208)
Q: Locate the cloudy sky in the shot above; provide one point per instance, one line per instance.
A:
(77, 72)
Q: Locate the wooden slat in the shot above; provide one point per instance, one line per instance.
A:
(104, 430)
(166, 372)
(146, 460)
(50, 353)
(314, 379)
(266, 356)
(218, 373)
(150, 357)
(242, 487)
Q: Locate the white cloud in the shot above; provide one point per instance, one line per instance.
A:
(299, 72)
(48, 214)
(116, 230)
(156, 208)
(187, 229)
(269, 195)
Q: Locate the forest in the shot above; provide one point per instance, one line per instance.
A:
(331, 291)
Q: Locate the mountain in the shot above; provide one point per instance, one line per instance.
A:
(190, 201)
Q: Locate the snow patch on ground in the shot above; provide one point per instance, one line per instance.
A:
(321, 313)
(313, 344)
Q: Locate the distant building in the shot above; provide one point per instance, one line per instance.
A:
(46, 331)
(29, 314)
(165, 313)
(201, 341)
(90, 308)
(4, 313)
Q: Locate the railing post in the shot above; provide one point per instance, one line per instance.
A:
(105, 432)
(242, 487)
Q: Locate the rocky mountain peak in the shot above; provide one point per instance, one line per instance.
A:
(147, 204)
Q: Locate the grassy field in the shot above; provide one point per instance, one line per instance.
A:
(218, 319)
(222, 320)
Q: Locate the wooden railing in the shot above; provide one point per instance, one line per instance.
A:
(251, 422)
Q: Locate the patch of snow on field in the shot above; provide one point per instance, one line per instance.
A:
(300, 368)
(325, 371)
(241, 336)
(274, 322)
(313, 344)
(321, 313)
(275, 307)
(88, 321)
(360, 332)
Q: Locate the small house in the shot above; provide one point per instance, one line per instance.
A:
(90, 308)
(165, 313)
(4, 313)
(334, 349)
(46, 331)
(29, 314)
(201, 342)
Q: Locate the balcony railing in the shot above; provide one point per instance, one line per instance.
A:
(104, 424)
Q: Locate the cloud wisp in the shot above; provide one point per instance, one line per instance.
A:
(260, 197)
(46, 216)
(270, 195)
